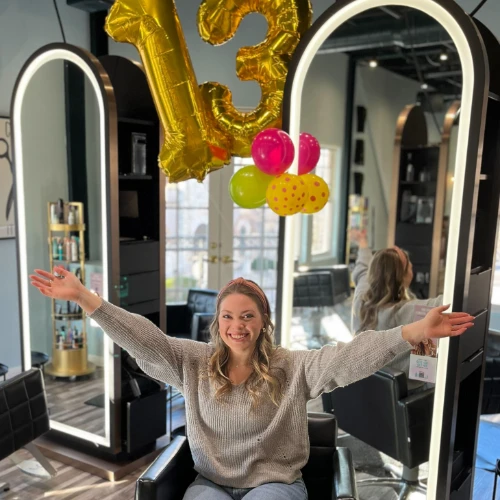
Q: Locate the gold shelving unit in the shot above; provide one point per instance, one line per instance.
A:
(69, 345)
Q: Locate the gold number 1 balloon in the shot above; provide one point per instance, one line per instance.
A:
(192, 146)
(265, 63)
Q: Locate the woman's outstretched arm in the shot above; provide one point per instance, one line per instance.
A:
(342, 364)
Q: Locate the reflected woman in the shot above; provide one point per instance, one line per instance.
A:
(382, 297)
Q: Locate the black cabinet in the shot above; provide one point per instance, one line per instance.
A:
(141, 195)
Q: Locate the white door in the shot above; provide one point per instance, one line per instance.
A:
(210, 240)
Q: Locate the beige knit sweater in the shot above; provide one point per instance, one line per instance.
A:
(233, 445)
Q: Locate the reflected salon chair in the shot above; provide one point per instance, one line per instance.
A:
(190, 320)
(321, 286)
(318, 288)
(328, 475)
(379, 411)
(23, 416)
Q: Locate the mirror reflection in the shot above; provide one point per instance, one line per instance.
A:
(382, 96)
(61, 158)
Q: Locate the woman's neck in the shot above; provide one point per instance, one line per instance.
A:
(239, 360)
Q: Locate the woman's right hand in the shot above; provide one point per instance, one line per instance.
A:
(359, 237)
(64, 286)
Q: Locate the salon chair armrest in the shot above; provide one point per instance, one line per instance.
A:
(344, 475)
(200, 327)
(168, 477)
(179, 320)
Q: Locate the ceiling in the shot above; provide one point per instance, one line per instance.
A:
(405, 41)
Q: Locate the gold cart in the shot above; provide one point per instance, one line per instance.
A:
(66, 239)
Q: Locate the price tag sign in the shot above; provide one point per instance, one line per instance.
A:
(423, 358)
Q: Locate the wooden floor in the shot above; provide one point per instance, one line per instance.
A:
(71, 483)
(66, 401)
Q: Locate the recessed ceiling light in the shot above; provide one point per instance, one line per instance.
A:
(443, 56)
(424, 86)
(373, 63)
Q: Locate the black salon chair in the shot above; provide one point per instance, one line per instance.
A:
(4, 369)
(317, 289)
(23, 416)
(321, 286)
(39, 359)
(328, 475)
(379, 411)
(190, 320)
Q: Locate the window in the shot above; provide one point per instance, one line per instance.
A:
(186, 236)
(319, 232)
(321, 237)
(495, 295)
(210, 240)
(255, 243)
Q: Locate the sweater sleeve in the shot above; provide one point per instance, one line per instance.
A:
(345, 363)
(160, 356)
(360, 279)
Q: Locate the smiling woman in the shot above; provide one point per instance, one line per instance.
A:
(246, 398)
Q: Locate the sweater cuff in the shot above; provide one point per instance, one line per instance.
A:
(103, 310)
(398, 344)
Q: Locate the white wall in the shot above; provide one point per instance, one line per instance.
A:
(43, 123)
(26, 25)
(384, 95)
(323, 109)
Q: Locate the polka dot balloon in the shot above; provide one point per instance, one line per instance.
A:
(286, 194)
(317, 193)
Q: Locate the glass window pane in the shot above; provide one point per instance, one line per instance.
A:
(186, 238)
(322, 221)
(255, 243)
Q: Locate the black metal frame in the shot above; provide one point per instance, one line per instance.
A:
(452, 482)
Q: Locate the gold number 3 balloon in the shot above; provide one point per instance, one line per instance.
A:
(202, 127)
(266, 63)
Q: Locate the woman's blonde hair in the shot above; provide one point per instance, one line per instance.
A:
(264, 380)
(386, 280)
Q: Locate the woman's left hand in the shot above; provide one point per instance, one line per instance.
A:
(437, 324)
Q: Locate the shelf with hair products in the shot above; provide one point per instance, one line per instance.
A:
(66, 240)
(420, 197)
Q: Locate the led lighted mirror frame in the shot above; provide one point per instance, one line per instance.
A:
(474, 91)
(44, 56)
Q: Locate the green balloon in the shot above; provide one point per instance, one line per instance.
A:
(248, 186)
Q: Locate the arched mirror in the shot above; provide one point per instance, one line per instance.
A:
(63, 219)
(377, 83)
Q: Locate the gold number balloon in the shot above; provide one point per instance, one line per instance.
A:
(192, 146)
(266, 63)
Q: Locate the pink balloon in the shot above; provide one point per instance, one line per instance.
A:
(309, 152)
(273, 151)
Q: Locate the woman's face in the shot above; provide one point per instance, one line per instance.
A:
(240, 322)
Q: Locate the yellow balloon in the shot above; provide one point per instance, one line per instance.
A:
(317, 193)
(192, 147)
(266, 63)
(286, 194)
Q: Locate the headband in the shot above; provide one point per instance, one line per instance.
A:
(249, 284)
(401, 254)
